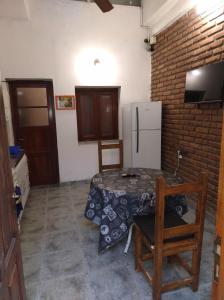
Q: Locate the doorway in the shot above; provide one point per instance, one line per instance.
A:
(33, 117)
(11, 269)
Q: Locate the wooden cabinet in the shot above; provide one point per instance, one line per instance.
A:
(97, 113)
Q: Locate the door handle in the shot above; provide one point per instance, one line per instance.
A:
(20, 140)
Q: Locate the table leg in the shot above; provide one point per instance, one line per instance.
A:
(129, 239)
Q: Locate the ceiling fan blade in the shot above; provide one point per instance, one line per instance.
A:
(104, 5)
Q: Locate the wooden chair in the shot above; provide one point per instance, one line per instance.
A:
(168, 235)
(102, 147)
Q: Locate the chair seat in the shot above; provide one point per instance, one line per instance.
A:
(147, 226)
(170, 236)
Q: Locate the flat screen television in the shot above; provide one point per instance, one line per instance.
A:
(205, 84)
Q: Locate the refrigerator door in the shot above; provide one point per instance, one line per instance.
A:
(146, 115)
(146, 149)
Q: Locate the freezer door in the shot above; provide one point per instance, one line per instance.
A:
(146, 115)
(146, 149)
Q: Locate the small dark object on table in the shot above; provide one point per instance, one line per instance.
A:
(130, 175)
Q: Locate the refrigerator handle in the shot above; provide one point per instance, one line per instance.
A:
(137, 129)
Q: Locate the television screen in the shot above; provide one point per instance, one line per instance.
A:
(205, 84)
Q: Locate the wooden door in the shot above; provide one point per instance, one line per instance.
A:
(33, 117)
(218, 281)
(11, 271)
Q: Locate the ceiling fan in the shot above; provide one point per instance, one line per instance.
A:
(104, 5)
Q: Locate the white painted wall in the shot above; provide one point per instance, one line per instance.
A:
(159, 14)
(150, 8)
(14, 9)
(60, 41)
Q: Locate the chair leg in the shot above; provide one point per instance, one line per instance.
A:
(157, 278)
(138, 248)
(196, 259)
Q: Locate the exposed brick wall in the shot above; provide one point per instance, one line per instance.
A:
(190, 42)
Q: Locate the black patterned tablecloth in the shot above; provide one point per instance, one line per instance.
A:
(113, 201)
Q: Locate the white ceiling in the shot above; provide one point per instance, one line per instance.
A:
(157, 14)
(122, 2)
(14, 9)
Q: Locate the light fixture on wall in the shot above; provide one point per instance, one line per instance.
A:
(95, 66)
(96, 61)
(150, 43)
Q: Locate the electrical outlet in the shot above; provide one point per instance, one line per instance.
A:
(179, 154)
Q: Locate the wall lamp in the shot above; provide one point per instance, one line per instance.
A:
(150, 43)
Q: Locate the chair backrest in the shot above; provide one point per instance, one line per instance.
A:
(102, 147)
(195, 229)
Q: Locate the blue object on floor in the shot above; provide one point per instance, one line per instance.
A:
(15, 150)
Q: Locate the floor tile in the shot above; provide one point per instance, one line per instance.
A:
(32, 226)
(183, 294)
(36, 202)
(205, 292)
(61, 223)
(56, 211)
(32, 293)
(60, 192)
(61, 240)
(59, 201)
(61, 260)
(70, 288)
(32, 269)
(113, 283)
(31, 244)
(63, 263)
(37, 214)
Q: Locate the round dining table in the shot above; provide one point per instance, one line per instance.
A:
(118, 195)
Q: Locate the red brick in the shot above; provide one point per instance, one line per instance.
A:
(189, 43)
(212, 59)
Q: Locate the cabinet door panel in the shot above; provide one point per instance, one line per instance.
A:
(108, 114)
(97, 113)
(86, 118)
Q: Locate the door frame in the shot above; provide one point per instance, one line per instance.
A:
(13, 83)
(12, 283)
(218, 283)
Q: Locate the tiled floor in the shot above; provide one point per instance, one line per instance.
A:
(60, 256)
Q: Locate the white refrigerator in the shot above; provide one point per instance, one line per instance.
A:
(142, 135)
